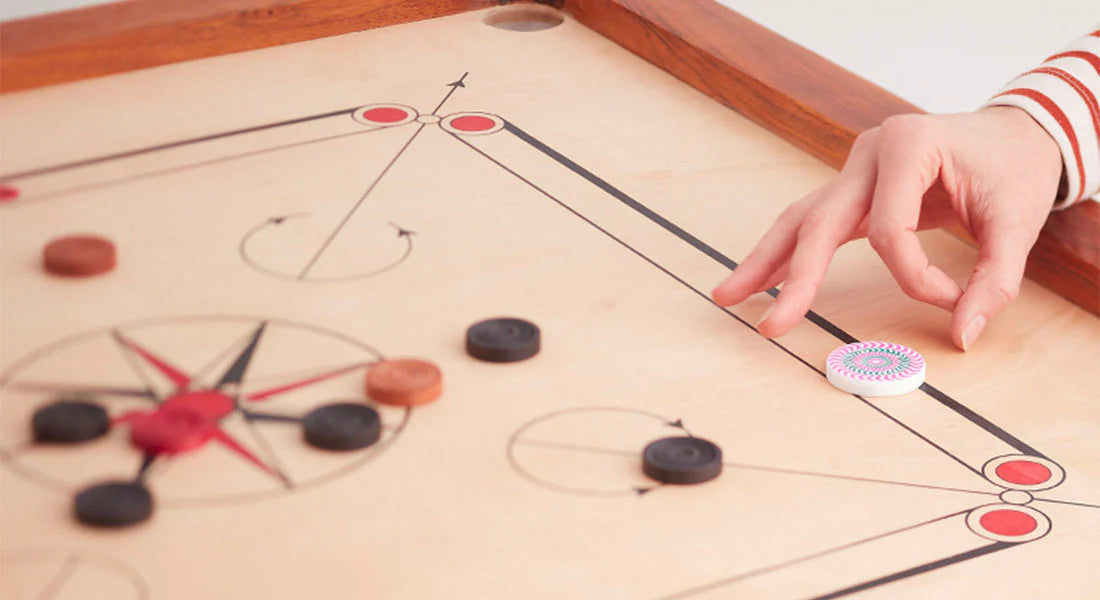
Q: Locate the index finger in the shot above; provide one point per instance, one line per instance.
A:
(905, 172)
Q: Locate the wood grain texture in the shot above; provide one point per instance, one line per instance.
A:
(809, 101)
(812, 103)
(137, 34)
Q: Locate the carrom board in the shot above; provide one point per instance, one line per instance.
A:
(293, 214)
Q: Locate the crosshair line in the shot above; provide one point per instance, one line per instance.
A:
(734, 465)
(355, 207)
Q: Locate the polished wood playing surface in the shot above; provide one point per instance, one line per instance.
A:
(551, 175)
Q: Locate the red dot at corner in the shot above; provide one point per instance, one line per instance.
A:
(1023, 472)
(384, 114)
(473, 123)
(1008, 522)
(8, 193)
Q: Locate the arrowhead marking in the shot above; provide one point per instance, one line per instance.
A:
(678, 423)
(643, 490)
(276, 220)
(401, 231)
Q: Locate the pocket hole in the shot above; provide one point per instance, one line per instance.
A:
(529, 17)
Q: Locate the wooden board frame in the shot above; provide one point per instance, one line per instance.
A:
(802, 97)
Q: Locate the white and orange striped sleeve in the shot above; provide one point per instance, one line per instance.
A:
(1063, 96)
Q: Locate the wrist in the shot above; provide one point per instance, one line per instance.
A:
(1023, 128)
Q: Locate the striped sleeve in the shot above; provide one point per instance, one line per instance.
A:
(1063, 96)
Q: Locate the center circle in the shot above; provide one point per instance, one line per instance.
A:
(188, 420)
(1016, 497)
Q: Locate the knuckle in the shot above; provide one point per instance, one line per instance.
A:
(864, 141)
(905, 129)
(1005, 292)
(916, 288)
(815, 218)
(790, 215)
(883, 237)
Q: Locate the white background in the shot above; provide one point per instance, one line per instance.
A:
(942, 55)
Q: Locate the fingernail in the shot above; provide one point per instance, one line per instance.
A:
(767, 314)
(972, 330)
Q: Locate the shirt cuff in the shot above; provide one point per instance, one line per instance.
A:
(1063, 96)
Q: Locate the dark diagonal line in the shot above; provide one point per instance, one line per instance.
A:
(355, 207)
(76, 388)
(196, 165)
(269, 417)
(703, 295)
(455, 86)
(146, 462)
(979, 420)
(206, 138)
(812, 316)
(635, 251)
(234, 375)
(932, 566)
(805, 558)
(920, 435)
(667, 225)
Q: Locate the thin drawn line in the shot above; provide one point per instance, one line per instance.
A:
(272, 456)
(60, 578)
(701, 294)
(128, 356)
(813, 317)
(454, 86)
(805, 558)
(1068, 502)
(129, 153)
(189, 166)
(734, 465)
(931, 566)
(358, 203)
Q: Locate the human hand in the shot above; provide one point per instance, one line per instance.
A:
(994, 171)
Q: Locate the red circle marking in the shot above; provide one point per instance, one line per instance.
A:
(1023, 472)
(1007, 522)
(8, 193)
(473, 123)
(385, 114)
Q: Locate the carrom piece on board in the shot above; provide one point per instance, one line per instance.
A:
(79, 256)
(69, 421)
(682, 460)
(503, 340)
(342, 426)
(404, 382)
(875, 369)
(113, 504)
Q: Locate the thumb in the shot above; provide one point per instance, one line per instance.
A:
(993, 285)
